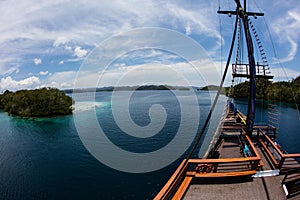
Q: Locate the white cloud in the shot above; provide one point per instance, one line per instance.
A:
(63, 79)
(30, 28)
(68, 48)
(61, 62)
(196, 73)
(8, 70)
(28, 83)
(37, 61)
(60, 41)
(79, 52)
(287, 28)
(43, 73)
(284, 74)
(188, 29)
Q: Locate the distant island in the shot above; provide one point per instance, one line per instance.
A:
(283, 91)
(126, 88)
(44, 102)
(214, 88)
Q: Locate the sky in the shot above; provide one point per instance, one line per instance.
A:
(53, 43)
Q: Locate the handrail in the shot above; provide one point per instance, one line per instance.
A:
(294, 155)
(223, 160)
(269, 153)
(251, 144)
(290, 172)
(272, 143)
(281, 154)
(172, 182)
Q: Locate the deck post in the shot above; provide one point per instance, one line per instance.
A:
(281, 162)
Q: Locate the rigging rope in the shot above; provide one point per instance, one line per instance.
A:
(218, 93)
(221, 40)
(278, 60)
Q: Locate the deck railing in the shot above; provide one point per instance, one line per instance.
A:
(168, 191)
(291, 182)
(273, 151)
(220, 167)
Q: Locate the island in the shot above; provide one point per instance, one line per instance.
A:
(126, 88)
(44, 102)
(283, 91)
(214, 88)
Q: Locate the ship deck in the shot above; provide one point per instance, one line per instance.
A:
(268, 187)
(232, 172)
(237, 188)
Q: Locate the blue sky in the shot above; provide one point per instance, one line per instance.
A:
(44, 43)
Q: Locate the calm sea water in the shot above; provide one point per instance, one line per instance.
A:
(45, 158)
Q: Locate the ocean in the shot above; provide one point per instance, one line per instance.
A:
(51, 158)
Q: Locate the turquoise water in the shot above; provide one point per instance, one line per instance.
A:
(45, 158)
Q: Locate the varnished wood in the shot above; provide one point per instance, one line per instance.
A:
(251, 145)
(274, 161)
(183, 188)
(225, 174)
(223, 160)
(171, 182)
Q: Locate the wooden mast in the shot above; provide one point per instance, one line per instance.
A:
(243, 15)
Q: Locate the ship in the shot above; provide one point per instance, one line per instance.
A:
(243, 161)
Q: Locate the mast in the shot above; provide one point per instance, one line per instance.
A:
(243, 15)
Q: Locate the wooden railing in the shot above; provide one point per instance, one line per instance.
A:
(291, 182)
(266, 142)
(173, 183)
(179, 182)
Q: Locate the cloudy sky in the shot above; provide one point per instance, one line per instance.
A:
(45, 43)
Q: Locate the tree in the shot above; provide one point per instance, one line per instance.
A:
(265, 89)
(42, 102)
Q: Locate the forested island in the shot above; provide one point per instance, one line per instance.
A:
(276, 91)
(126, 88)
(214, 88)
(44, 102)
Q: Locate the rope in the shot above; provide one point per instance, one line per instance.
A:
(214, 103)
(221, 40)
(218, 93)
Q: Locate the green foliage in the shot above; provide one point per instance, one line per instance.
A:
(36, 103)
(214, 88)
(279, 91)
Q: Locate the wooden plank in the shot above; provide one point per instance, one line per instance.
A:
(225, 174)
(171, 182)
(183, 188)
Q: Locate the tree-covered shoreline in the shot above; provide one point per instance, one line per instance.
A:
(282, 91)
(44, 102)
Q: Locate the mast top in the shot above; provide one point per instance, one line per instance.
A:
(240, 10)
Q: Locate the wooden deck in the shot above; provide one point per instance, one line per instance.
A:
(236, 173)
(237, 188)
